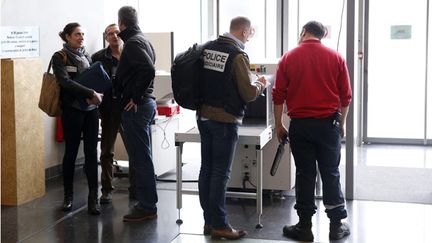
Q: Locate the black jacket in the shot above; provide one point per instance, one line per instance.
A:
(136, 71)
(219, 87)
(71, 90)
(108, 61)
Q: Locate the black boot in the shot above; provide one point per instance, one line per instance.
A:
(298, 232)
(301, 231)
(93, 204)
(68, 200)
(338, 230)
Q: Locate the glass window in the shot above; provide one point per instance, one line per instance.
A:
(429, 110)
(429, 93)
(271, 30)
(263, 18)
(396, 69)
(184, 20)
(331, 18)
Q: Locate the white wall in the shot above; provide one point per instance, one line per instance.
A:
(111, 8)
(51, 16)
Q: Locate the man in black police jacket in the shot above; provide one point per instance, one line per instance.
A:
(227, 86)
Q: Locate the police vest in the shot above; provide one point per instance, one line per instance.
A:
(219, 88)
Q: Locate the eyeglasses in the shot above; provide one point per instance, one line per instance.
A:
(109, 34)
(250, 32)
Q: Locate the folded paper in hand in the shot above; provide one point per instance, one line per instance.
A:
(95, 78)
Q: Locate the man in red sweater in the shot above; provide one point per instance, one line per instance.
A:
(313, 80)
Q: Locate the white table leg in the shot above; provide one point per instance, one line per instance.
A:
(259, 186)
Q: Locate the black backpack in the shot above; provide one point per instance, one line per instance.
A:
(186, 73)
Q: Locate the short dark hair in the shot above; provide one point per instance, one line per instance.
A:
(111, 25)
(106, 29)
(315, 28)
(239, 23)
(68, 30)
(128, 16)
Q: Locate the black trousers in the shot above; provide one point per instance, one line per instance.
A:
(317, 141)
(76, 123)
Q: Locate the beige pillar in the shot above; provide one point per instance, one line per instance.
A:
(22, 132)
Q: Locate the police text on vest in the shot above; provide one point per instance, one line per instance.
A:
(215, 60)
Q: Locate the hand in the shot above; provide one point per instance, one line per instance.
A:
(131, 105)
(280, 132)
(96, 99)
(263, 81)
(342, 130)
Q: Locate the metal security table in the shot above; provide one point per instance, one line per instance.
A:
(253, 135)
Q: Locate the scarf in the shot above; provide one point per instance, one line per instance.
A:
(78, 57)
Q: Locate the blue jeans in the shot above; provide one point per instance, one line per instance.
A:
(317, 141)
(137, 140)
(218, 142)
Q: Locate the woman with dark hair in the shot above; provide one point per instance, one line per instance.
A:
(78, 118)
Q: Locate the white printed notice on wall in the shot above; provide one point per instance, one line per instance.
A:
(17, 41)
(400, 32)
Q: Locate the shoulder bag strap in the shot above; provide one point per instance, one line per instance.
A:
(64, 56)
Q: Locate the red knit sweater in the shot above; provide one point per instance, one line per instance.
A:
(314, 81)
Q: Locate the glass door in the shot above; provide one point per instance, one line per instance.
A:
(396, 100)
(396, 71)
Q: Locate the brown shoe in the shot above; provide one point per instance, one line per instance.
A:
(228, 233)
(207, 229)
(137, 214)
(138, 217)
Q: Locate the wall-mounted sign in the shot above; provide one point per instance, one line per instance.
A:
(17, 41)
(400, 32)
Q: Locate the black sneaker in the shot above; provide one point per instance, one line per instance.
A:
(296, 232)
(138, 214)
(338, 232)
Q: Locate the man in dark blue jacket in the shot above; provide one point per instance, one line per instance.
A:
(134, 86)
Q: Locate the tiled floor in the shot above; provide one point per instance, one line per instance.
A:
(42, 220)
(395, 173)
(371, 221)
(186, 238)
